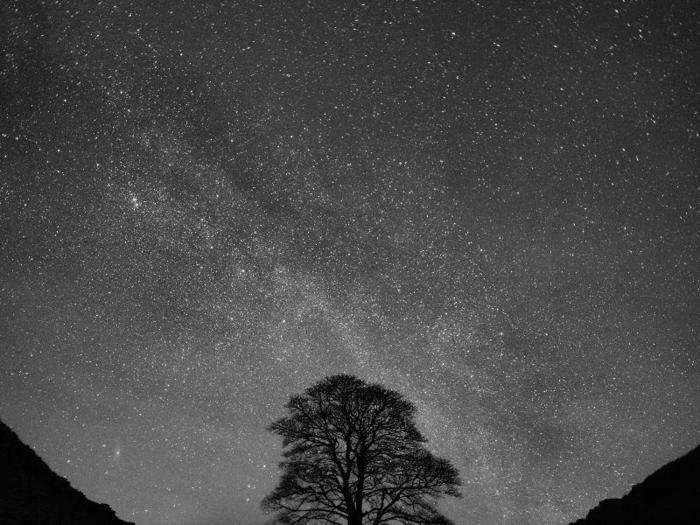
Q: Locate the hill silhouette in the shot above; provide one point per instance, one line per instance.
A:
(30, 492)
(669, 495)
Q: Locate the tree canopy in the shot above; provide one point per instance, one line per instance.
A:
(353, 455)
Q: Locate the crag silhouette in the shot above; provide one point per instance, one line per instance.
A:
(31, 493)
(669, 495)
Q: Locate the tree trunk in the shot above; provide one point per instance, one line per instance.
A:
(355, 519)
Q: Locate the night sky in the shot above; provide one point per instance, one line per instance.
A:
(489, 207)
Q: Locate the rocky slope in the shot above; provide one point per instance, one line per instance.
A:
(31, 493)
(669, 495)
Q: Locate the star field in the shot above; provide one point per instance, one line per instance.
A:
(490, 207)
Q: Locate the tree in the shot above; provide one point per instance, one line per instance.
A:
(353, 455)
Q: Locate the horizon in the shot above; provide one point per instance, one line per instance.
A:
(489, 208)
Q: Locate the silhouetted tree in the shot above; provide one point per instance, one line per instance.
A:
(354, 455)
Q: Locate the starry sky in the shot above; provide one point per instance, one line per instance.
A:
(489, 207)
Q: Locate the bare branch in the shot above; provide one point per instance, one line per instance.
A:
(354, 455)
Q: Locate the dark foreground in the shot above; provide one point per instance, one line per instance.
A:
(30, 492)
(669, 495)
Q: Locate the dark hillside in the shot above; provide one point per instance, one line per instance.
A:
(669, 495)
(30, 492)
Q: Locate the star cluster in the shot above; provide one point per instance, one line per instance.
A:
(487, 206)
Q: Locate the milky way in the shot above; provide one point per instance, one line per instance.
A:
(487, 206)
